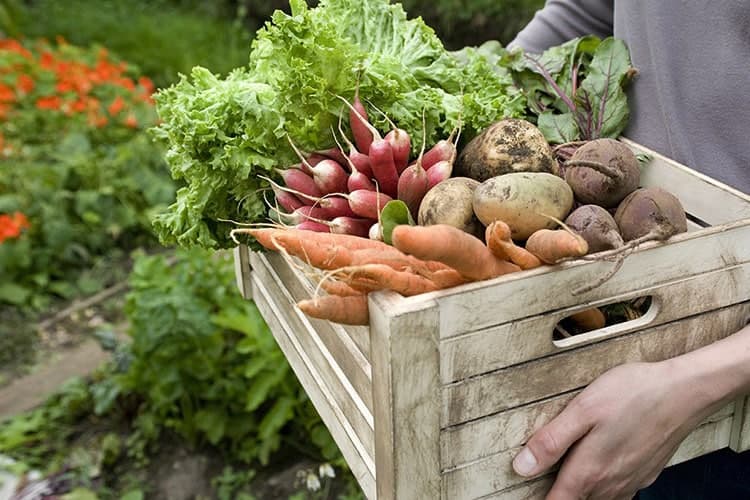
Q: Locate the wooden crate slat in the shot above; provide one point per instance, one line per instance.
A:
(242, 271)
(302, 287)
(520, 295)
(741, 428)
(330, 372)
(495, 473)
(359, 455)
(479, 352)
(407, 389)
(347, 355)
(510, 387)
(479, 439)
(708, 199)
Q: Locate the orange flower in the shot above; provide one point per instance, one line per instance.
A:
(25, 83)
(116, 106)
(131, 121)
(4, 108)
(15, 46)
(97, 120)
(64, 86)
(125, 82)
(49, 102)
(47, 60)
(146, 84)
(12, 225)
(6, 93)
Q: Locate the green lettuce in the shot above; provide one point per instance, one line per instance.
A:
(225, 134)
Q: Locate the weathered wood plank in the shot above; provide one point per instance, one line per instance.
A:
(707, 198)
(741, 427)
(407, 389)
(496, 433)
(279, 303)
(495, 473)
(520, 295)
(302, 286)
(242, 271)
(535, 380)
(512, 343)
(358, 454)
(337, 341)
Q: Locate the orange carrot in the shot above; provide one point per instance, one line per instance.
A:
(350, 310)
(553, 245)
(590, 319)
(337, 287)
(453, 247)
(502, 246)
(371, 277)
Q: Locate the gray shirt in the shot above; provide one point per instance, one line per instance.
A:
(691, 98)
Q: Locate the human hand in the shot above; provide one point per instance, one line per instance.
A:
(618, 433)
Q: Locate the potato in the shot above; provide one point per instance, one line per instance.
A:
(522, 200)
(506, 146)
(451, 202)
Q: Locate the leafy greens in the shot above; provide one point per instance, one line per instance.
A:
(222, 134)
(577, 89)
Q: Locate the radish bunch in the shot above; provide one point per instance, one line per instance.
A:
(344, 192)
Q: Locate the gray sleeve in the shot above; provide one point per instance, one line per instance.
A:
(561, 20)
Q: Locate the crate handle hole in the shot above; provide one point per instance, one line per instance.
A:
(604, 321)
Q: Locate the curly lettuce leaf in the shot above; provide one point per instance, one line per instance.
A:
(225, 135)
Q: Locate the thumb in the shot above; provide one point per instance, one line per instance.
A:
(547, 445)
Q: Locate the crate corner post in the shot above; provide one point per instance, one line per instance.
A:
(406, 385)
(242, 271)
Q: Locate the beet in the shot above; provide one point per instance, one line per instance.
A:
(597, 226)
(602, 172)
(650, 213)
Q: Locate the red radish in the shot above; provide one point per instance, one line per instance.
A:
(310, 225)
(299, 181)
(375, 232)
(313, 159)
(444, 149)
(401, 144)
(361, 128)
(358, 180)
(439, 172)
(336, 206)
(330, 177)
(301, 215)
(413, 184)
(367, 204)
(356, 160)
(335, 154)
(384, 166)
(285, 199)
(351, 225)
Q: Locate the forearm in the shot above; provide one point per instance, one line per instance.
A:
(716, 374)
(562, 20)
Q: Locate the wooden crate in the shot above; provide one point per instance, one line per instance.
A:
(434, 399)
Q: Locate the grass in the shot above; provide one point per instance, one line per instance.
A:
(163, 38)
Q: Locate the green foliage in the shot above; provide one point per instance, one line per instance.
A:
(163, 37)
(224, 134)
(205, 364)
(75, 163)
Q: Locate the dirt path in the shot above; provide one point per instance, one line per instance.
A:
(27, 392)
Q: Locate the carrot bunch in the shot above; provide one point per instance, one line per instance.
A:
(343, 192)
(422, 259)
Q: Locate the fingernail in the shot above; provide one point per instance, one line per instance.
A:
(525, 462)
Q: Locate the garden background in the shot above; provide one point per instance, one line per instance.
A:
(127, 369)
